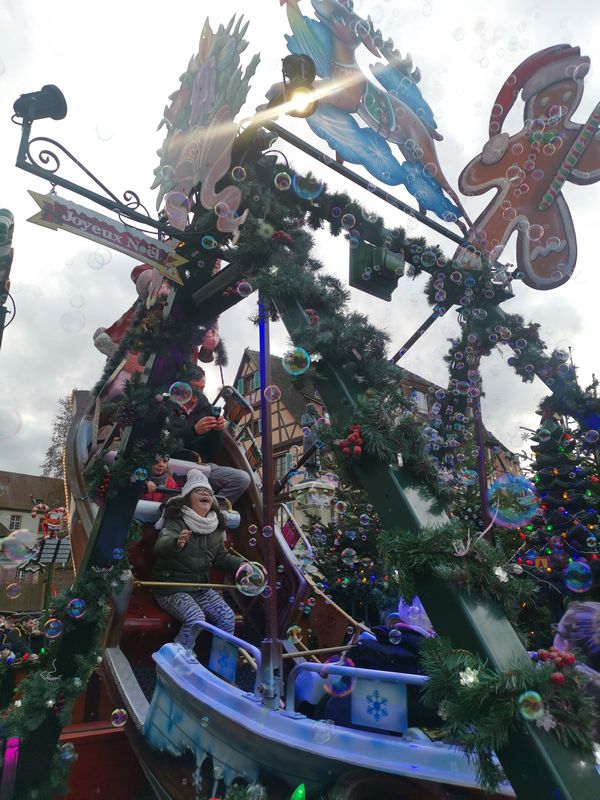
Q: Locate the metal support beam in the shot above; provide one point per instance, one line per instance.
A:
(534, 761)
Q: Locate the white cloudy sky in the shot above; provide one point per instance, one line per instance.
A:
(117, 62)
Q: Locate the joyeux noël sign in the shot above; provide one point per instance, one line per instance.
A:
(58, 213)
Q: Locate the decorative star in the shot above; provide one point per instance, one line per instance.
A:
(468, 677)
(501, 574)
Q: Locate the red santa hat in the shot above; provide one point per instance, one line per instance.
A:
(540, 70)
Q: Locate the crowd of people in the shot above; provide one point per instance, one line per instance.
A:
(20, 638)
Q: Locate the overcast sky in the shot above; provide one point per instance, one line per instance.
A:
(117, 62)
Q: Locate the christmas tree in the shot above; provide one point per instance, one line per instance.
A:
(560, 543)
(348, 566)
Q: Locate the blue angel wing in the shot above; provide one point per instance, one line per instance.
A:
(313, 39)
(355, 144)
(402, 87)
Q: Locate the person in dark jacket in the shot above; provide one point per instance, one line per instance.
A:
(189, 545)
(23, 639)
(201, 430)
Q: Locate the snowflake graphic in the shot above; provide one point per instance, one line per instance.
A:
(223, 660)
(377, 705)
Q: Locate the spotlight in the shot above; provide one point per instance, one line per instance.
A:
(49, 102)
(299, 73)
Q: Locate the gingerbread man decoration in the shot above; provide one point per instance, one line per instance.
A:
(529, 169)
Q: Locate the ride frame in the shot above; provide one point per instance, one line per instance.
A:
(534, 761)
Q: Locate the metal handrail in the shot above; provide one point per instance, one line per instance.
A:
(301, 534)
(245, 647)
(354, 672)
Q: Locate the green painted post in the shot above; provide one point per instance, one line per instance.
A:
(537, 766)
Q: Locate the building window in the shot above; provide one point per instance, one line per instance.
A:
(420, 401)
(249, 384)
(257, 427)
(280, 465)
(15, 522)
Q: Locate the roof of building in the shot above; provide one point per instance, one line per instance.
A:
(17, 491)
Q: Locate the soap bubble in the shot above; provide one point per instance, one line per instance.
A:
(272, 394)
(364, 519)
(251, 578)
(140, 474)
(349, 556)
(305, 188)
(294, 634)
(238, 174)
(99, 258)
(104, 132)
(512, 498)
(282, 181)
(338, 685)
(76, 608)
(72, 321)
(578, 577)
(340, 507)
(19, 545)
(204, 722)
(395, 636)
(469, 477)
(252, 530)
(295, 362)
(209, 242)
(591, 437)
(13, 590)
(322, 731)
(180, 392)
(118, 718)
(348, 221)
(221, 209)
(10, 422)
(118, 553)
(244, 289)
(53, 628)
(66, 752)
(530, 705)
(77, 301)
(267, 531)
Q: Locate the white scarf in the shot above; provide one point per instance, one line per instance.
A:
(198, 524)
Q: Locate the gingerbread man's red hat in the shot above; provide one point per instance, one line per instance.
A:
(540, 70)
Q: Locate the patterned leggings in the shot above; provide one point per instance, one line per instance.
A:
(198, 606)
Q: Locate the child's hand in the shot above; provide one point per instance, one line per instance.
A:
(183, 538)
(150, 487)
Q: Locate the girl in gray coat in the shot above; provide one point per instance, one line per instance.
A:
(189, 545)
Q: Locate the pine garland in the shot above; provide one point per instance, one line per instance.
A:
(452, 553)
(46, 690)
(481, 706)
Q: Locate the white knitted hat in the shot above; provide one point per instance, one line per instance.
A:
(196, 479)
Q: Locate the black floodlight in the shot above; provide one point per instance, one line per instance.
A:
(49, 102)
(299, 74)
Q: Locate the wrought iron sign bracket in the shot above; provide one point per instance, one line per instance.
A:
(47, 164)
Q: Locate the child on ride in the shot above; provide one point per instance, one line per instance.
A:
(188, 546)
(160, 478)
